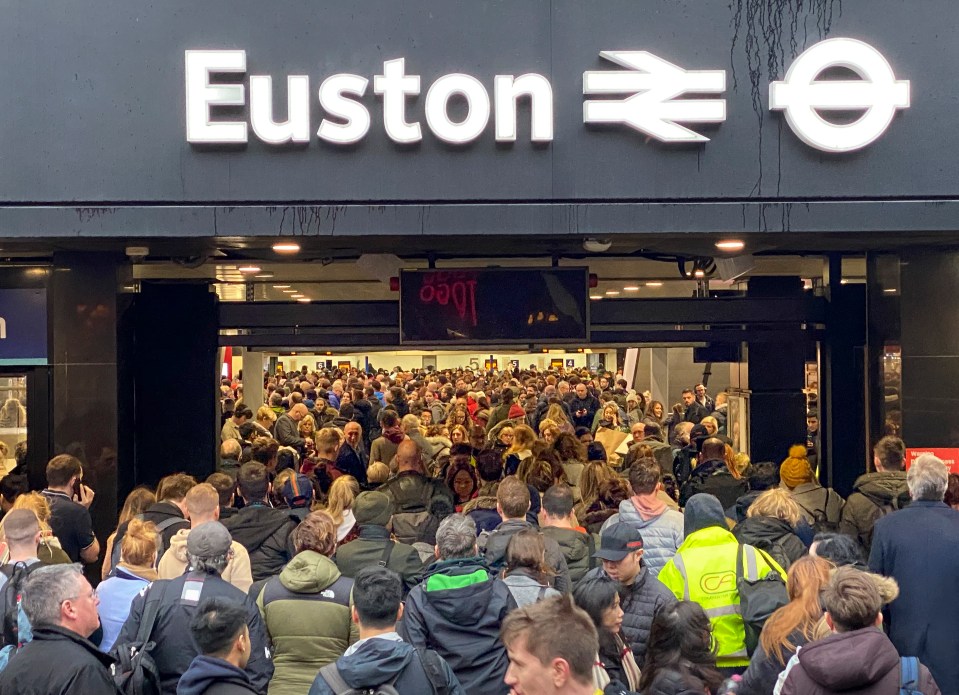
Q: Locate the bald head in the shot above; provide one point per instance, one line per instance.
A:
(298, 412)
(408, 456)
(713, 449)
(231, 449)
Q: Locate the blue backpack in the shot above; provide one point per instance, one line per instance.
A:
(909, 676)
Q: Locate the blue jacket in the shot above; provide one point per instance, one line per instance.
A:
(116, 595)
(378, 661)
(208, 675)
(919, 547)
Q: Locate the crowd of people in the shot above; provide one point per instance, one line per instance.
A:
(481, 534)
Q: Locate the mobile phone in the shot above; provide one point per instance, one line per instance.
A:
(76, 488)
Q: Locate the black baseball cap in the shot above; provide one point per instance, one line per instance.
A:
(618, 541)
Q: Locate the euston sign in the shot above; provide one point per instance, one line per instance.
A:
(661, 96)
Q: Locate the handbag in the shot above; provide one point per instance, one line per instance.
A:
(759, 597)
(136, 672)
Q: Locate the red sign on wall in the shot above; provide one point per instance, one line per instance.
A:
(949, 456)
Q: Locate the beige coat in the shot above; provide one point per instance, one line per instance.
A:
(237, 572)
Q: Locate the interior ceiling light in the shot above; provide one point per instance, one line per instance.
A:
(631, 288)
(286, 247)
(595, 296)
(249, 269)
(297, 296)
(263, 276)
(289, 291)
(612, 293)
(304, 300)
(730, 245)
(699, 273)
(654, 283)
(281, 287)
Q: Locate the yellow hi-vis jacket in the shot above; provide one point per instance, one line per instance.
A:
(704, 570)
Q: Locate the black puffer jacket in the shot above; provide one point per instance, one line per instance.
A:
(674, 683)
(640, 602)
(764, 669)
(265, 533)
(58, 662)
(774, 536)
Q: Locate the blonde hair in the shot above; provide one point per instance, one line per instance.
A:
(202, 500)
(710, 420)
(37, 504)
(264, 412)
(778, 504)
(343, 492)
(594, 474)
(547, 425)
(139, 544)
(377, 472)
(557, 415)
(523, 439)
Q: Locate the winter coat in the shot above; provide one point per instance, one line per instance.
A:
(873, 495)
(410, 490)
(919, 548)
(672, 683)
(737, 511)
(640, 601)
(209, 675)
(774, 536)
(498, 540)
(287, 432)
(764, 669)
(713, 478)
(590, 404)
(377, 661)
(862, 661)
(457, 610)
(383, 450)
(116, 595)
(367, 550)
(307, 614)
(575, 546)
(526, 589)
(158, 513)
(662, 535)
(58, 661)
(174, 650)
(174, 562)
(265, 533)
(815, 500)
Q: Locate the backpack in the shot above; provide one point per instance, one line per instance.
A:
(759, 597)
(429, 660)
(909, 676)
(412, 519)
(10, 601)
(135, 672)
(821, 522)
(161, 546)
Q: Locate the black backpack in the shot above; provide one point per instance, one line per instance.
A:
(821, 522)
(161, 546)
(10, 599)
(135, 672)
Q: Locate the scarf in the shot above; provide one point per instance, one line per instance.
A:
(142, 571)
(649, 506)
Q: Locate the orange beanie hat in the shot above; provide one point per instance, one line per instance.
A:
(795, 470)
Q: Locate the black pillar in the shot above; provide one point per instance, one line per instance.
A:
(842, 394)
(777, 411)
(83, 364)
(170, 340)
(930, 349)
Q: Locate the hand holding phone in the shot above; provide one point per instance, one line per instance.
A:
(85, 496)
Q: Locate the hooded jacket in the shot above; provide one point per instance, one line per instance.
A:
(58, 662)
(662, 535)
(175, 650)
(457, 610)
(737, 512)
(575, 546)
(775, 536)
(307, 614)
(873, 495)
(209, 675)
(265, 533)
(158, 513)
(526, 589)
(498, 540)
(367, 550)
(862, 661)
(378, 661)
(174, 561)
(815, 500)
(640, 601)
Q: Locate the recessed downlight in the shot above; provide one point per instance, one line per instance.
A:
(286, 247)
(730, 245)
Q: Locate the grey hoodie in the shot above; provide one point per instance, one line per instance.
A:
(527, 590)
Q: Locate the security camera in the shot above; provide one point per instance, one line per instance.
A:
(137, 254)
(596, 245)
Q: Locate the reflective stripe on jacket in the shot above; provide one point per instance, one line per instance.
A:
(704, 571)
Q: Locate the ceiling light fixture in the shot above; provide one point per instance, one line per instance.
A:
(631, 288)
(286, 247)
(297, 296)
(289, 291)
(263, 276)
(699, 273)
(249, 269)
(595, 296)
(612, 293)
(304, 300)
(281, 287)
(654, 283)
(730, 245)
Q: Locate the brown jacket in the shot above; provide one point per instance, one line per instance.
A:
(861, 662)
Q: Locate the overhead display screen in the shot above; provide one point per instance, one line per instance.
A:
(494, 305)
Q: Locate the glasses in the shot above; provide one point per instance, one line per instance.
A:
(92, 594)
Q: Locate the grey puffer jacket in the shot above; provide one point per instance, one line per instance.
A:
(526, 589)
(641, 601)
(662, 535)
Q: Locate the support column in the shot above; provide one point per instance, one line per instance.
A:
(253, 379)
(776, 373)
(659, 376)
(84, 406)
